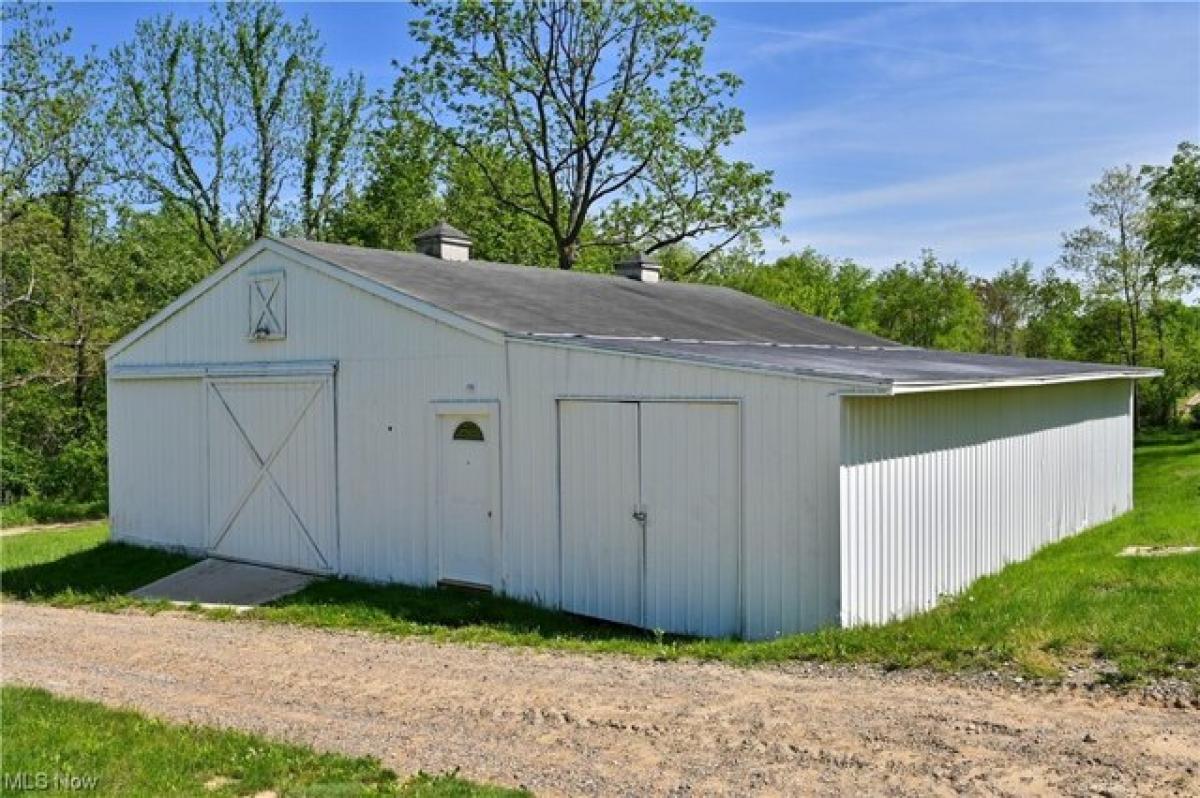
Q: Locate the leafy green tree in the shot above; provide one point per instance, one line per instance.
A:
(1180, 361)
(929, 304)
(332, 110)
(1053, 322)
(1111, 255)
(1119, 263)
(55, 320)
(399, 197)
(60, 158)
(608, 108)
(498, 232)
(46, 99)
(1008, 301)
(838, 290)
(1173, 216)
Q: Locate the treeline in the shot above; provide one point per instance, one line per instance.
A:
(558, 135)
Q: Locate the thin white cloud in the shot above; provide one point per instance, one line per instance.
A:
(791, 37)
(977, 181)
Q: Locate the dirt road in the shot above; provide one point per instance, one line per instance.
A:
(570, 724)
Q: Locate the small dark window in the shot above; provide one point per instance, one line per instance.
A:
(468, 431)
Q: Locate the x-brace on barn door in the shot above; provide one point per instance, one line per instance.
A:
(272, 474)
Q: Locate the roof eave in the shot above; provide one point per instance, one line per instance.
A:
(930, 386)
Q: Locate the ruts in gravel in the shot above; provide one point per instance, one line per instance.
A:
(571, 724)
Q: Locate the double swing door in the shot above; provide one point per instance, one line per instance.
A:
(651, 513)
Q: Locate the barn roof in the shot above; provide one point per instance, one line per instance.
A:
(684, 321)
(677, 321)
(519, 300)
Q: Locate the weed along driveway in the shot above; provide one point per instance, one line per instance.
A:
(563, 723)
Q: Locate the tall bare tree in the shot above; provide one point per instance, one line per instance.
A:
(226, 114)
(332, 110)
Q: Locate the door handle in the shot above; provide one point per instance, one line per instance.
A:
(640, 515)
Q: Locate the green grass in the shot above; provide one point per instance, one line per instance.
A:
(1073, 602)
(79, 567)
(27, 512)
(128, 754)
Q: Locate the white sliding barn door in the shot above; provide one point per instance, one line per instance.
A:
(651, 514)
(601, 540)
(272, 481)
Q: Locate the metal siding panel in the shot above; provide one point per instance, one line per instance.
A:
(940, 489)
(602, 557)
(790, 553)
(690, 487)
(391, 364)
(156, 461)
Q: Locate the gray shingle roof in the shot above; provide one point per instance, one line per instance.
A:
(522, 300)
(678, 320)
(888, 365)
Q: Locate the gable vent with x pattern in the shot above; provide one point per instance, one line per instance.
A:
(268, 307)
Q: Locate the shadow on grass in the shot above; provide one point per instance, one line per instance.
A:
(95, 574)
(1181, 437)
(341, 603)
(104, 573)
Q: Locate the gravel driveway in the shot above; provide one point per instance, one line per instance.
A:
(571, 724)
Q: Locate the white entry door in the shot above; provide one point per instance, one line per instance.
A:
(272, 481)
(467, 487)
(651, 513)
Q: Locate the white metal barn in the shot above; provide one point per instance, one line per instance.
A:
(673, 456)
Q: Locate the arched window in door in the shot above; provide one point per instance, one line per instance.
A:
(468, 431)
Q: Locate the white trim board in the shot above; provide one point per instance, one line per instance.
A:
(282, 368)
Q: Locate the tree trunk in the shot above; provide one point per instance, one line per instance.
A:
(568, 253)
(70, 197)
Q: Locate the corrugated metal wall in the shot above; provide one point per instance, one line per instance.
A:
(156, 461)
(392, 364)
(938, 489)
(789, 442)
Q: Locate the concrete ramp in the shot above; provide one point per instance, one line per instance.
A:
(221, 583)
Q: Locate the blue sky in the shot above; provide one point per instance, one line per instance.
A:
(971, 129)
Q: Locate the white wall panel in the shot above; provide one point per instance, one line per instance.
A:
(391, 364)
(789, 448)
(938, 489)
(602, 546)
(691, 487)
(156, 460)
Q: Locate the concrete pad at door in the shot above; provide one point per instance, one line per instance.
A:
(224, 583)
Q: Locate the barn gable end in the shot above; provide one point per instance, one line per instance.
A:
(387, 358)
